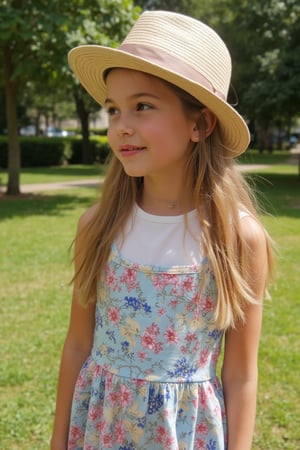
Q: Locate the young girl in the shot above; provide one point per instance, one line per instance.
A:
(171, 260)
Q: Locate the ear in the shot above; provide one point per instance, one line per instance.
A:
(209, 121)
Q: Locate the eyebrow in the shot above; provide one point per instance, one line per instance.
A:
(134, 96)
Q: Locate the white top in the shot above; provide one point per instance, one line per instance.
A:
(162, 240)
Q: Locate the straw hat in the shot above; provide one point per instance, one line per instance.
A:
(178, 49)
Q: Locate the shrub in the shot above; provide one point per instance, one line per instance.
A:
(38, 151)
(99, 149)
(42, 151)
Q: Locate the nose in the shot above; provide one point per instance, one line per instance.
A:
(125, 126)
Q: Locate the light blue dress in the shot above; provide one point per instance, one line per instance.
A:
(150, 382)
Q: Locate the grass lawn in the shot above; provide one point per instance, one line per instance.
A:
(55, 174)
(35, 232)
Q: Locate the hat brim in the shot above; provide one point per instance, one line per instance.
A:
(90, 62)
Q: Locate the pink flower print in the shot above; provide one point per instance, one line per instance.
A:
(76, 433)
(142, 355)
(202, 397)
(153, 329)
(129, 278)
(188, 283)
(158, 282)
(139, 383)
(110, 278)
(196, 299)
(124, 395)
(81, 382)
(158, 347)
(113, 315)
(202, 428)
(217, 411)
(113, 397)
(184, 349)
(94, 413)
(200, 444)
(97, 370)
(109, 378)
(148, 341)
(208, 304)
(171, 278)
(119, 432)
(215, 355)
(174, 291)
(171, 336)
(190, 336)
(101, 426)
(161, 433)
(194, 305)
(203, 357)
(107, 440)
(168, 442)
(209, 391)
(164, 438)
(161, 311)
(173, 303)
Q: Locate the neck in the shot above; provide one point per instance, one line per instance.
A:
(165, 200)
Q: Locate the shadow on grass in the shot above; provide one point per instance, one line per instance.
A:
(71, 171)
(56, 204)
(278, 194)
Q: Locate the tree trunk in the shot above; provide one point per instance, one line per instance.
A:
(83, 114)
(14, 153)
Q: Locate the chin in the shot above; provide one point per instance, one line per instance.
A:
(135, 173)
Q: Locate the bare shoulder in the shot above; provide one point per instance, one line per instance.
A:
(253, 232)
(88, 216)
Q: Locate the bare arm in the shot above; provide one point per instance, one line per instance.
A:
(76, 349)
(239, 371)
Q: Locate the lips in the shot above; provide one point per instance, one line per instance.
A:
(130, 150)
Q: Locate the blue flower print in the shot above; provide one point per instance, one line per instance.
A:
(125, 349)
(215, 334)
(155, 402)
(137, 304)
(182, 369)
(212, 445)
(131, 446)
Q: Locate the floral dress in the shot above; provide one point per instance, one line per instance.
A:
(150, 381)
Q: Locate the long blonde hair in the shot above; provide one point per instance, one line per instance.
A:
(220, 194)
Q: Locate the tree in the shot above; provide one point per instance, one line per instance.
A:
(24, 29)
(263, 38)
(189, 7)
(116, 18)
(34, 41)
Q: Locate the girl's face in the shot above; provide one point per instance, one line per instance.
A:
(148, 130)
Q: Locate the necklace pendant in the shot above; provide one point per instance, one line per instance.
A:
(171, 205)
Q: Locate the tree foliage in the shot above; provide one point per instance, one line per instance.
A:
(34, 40)
(35, 37)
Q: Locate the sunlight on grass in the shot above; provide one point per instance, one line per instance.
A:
(56, 174)
(35, 234)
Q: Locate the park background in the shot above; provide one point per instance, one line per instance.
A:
(52, 132)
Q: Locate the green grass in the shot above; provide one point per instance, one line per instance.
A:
(35, 232)
(55, 174)
(252, 156)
